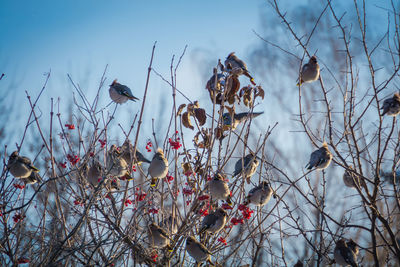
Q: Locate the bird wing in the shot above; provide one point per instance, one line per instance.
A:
(126, 91)
(28, 163)
(238, 167)
(141, 158)
(314, 159)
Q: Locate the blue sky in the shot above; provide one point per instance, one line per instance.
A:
(81, 37)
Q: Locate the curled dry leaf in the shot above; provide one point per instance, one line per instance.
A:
(206, 135)
(180, 109)
(186, 121)
(191, 107)
(186, 167)
(200, 115)
(247, 96)
(231, 88)
(260, 92)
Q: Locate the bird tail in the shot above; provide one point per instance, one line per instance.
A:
(248, 180)
(153, 182)
(300, 82)
(133, 98)
(229, 200)
(256, 114)
(34, 168)
(246, 73)
(170, 248)
(308, 166)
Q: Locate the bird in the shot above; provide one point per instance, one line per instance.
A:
(344, 255)
(121, 93)
(350, 178)
(20, 167)
(197, 250)
(127, 151)
(171, 223)
(158, 168)
(33, 178)
(95, 174)
(353, 246)
(113, 184)
(298, 264)
(259, 195)
(246, 166)
(214, 222)
(116, 165)
(391, 106)
(219, 189)
(309, 71)
(237, 119)
(320, 158)
(158, 237)
(237, 66)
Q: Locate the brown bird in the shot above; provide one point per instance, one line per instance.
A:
(320, 158)
(214, 222)
(309, 71)
(237, 66)
(158, 237)
(260, 195)
(20, 167)
(344, 255)
(391, 106)
(158, 168)
(120, 93)
(219, 189)
(197, 250)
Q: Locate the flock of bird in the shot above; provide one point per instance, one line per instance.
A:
(119, 160)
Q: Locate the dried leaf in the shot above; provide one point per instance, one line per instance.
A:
(200, 115)
(232, 86)
(260, 92)
(186, 121)
(186, 167)
(180, 109)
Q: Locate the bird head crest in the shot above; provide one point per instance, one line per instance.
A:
(114, 82)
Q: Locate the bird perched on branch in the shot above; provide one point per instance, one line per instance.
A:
(116, 165)
(353, 246)
(158, 168)
(246, 166)
(95, 174)
(351, 179)
(121, 93)
(197, 250)
(259, 195)
(391, 106)
(127, 152)
(238, 118)
(21, 168)
(309, 71)
(214, 222)
(158, 237)
(344, 255)
(320, 158)
(219, 189)
(237, 66)
(33, 178)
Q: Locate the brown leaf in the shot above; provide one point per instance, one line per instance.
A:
(186, 121)
(186, 167)
(260, 92)
(200, 115)
(231, 88)
(180, 109)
